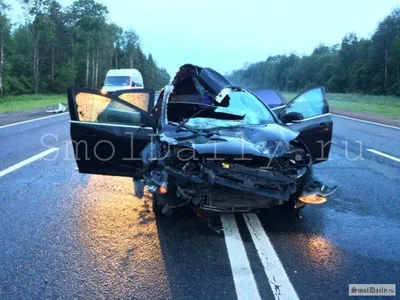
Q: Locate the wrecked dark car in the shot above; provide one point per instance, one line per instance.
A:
(205, 143)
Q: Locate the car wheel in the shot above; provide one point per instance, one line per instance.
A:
(158, 203)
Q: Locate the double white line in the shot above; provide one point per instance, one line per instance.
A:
(245, 283)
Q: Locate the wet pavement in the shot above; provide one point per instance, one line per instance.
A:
(70, 235)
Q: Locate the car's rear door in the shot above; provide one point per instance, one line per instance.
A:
(316, 126)
(109, 132)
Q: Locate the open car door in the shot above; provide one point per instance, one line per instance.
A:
(308, 113)
(108, 133)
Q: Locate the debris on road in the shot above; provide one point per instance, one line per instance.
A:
(61, 108)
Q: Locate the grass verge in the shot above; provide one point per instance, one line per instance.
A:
(374, 104)
(27, 102)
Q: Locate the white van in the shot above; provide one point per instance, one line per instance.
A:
(122, 79)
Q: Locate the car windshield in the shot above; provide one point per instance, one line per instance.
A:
(117, 81)
(241, 103)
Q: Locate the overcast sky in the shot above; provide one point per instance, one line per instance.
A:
(225, 34)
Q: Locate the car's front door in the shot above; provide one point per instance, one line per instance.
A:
(109, 132)
(308, 113)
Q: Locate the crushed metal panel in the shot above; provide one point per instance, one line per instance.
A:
(185, 80)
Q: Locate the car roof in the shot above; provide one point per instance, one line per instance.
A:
(123, 72)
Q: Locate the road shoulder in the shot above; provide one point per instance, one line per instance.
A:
(367, 117)
(20, 116)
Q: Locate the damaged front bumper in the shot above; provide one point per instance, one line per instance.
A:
(266, 183)
(230, 187)
(232, 184)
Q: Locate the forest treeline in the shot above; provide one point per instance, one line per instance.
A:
(355, 65)
(58, 47)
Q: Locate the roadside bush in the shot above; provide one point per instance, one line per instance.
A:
(65, 77)
(395, 89)
(17, 85)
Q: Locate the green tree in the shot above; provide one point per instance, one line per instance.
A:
(356, 65)
(130, 46)
(65, 47)
(89, 18)
(36, 9)
(4, 35)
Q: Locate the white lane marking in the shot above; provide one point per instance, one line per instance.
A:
(27, 161)
(384, 154)
(245, 284)
(280, 283)
(364, 121)
(33, 120)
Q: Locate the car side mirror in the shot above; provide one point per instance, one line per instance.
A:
(292, 117)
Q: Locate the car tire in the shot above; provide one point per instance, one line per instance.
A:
(158, 202)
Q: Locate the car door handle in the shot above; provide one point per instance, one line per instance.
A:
(323, 125)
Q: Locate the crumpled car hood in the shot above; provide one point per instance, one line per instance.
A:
(210, 79)
(266, 141)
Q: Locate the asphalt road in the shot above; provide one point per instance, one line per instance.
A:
(69, 235)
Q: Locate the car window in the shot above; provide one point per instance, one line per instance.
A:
(117, 81)
(101, 109)
(309, 104)
(269, 97)
(140, 100)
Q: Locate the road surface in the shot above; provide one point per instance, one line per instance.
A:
(69, 235)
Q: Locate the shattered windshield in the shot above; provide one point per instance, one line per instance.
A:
(241, 104)
(117, 81)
